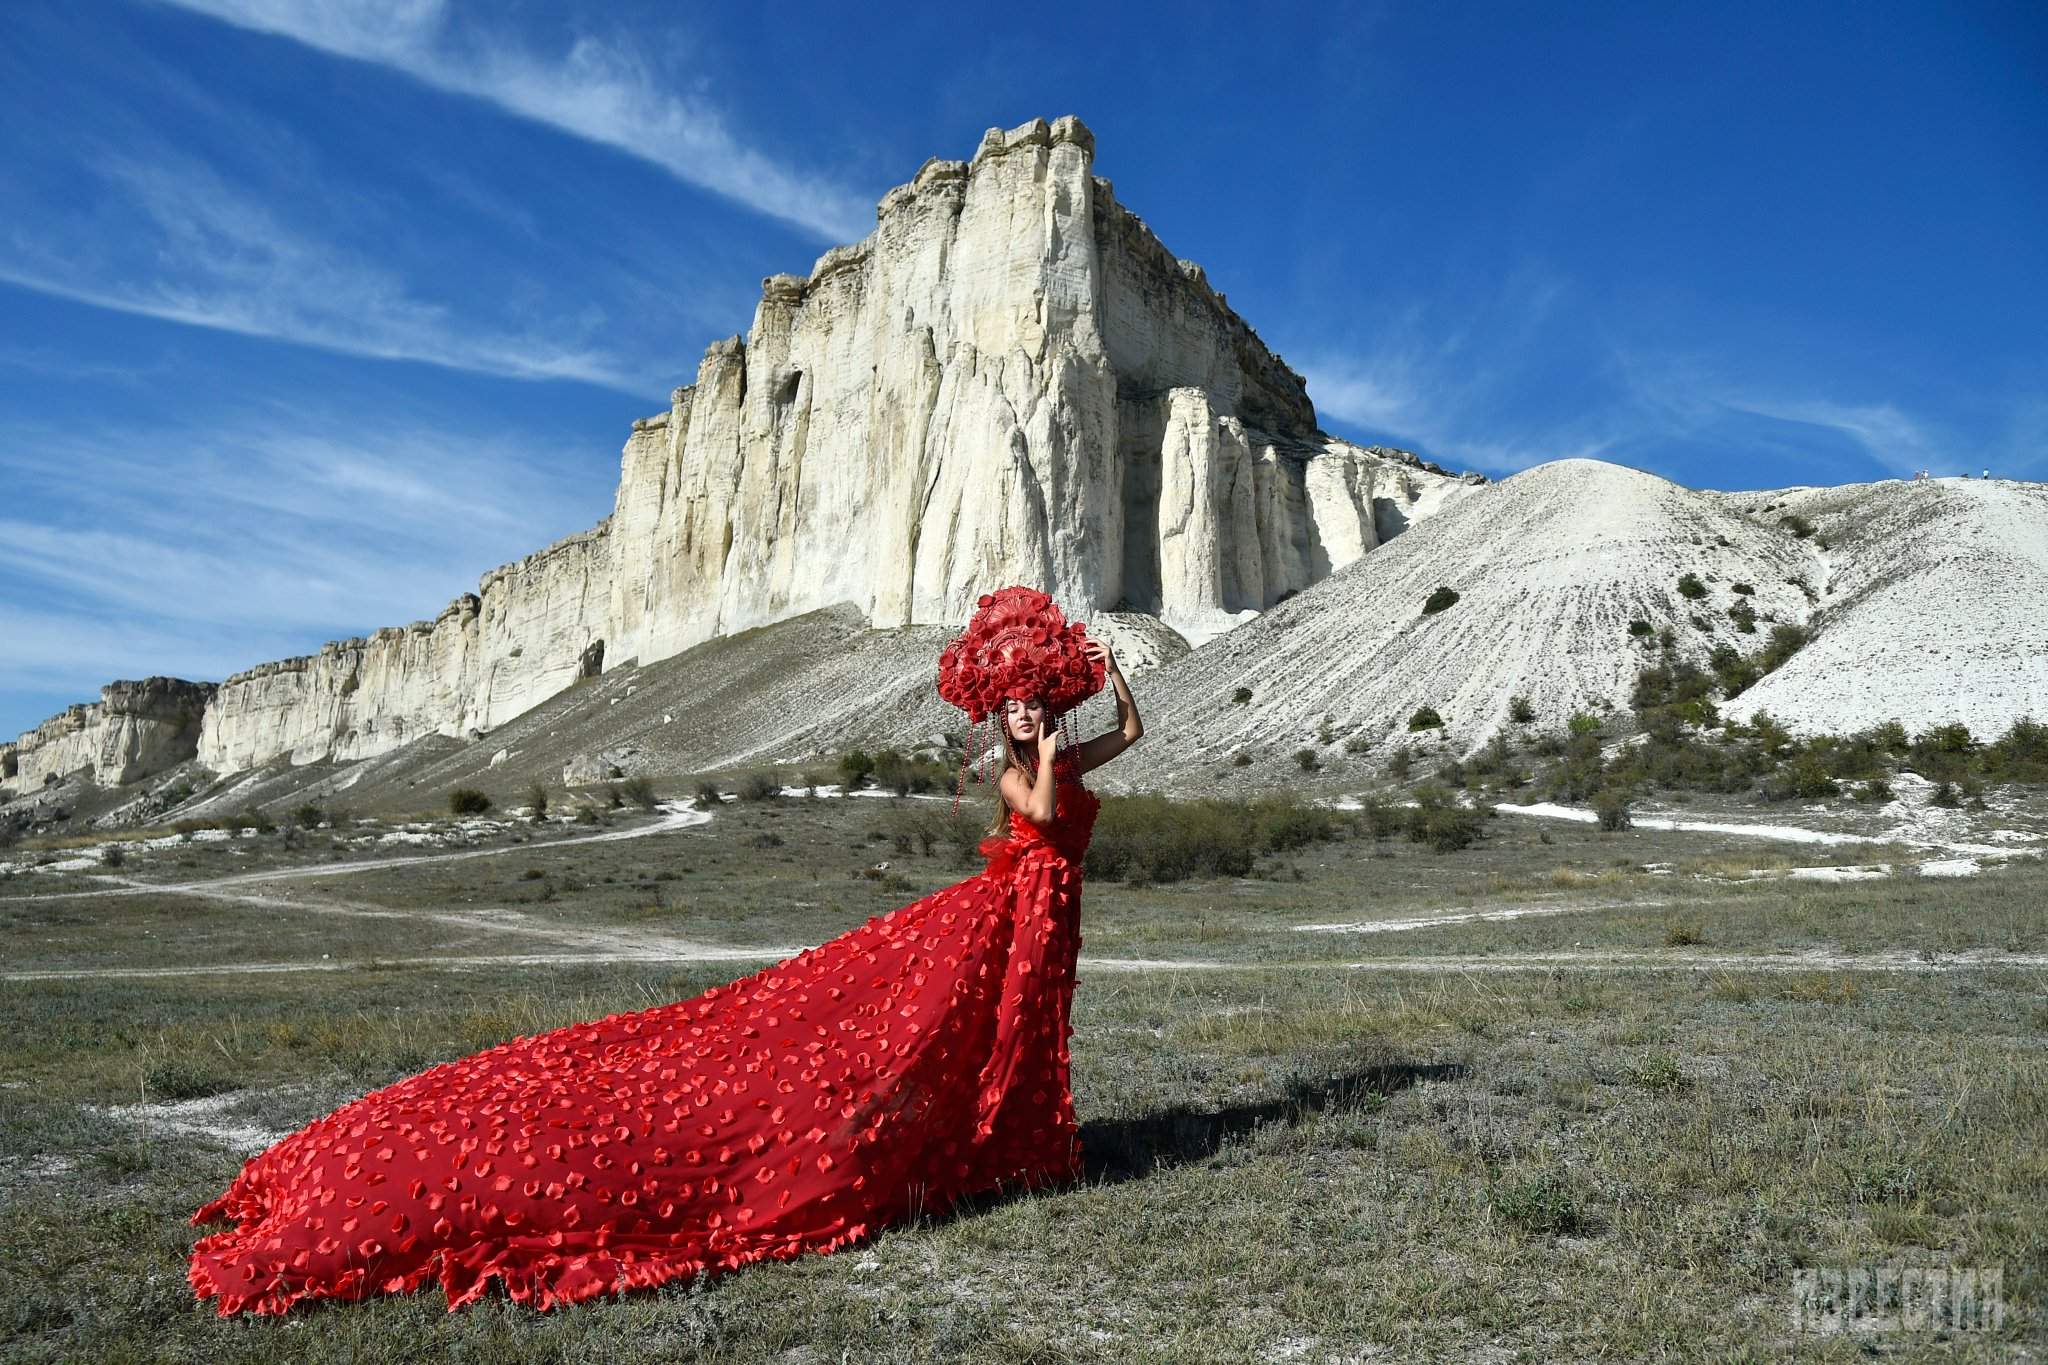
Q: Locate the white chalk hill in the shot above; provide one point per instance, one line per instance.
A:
(1551, 567)
(1937, 608)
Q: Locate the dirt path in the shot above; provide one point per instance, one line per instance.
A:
(1587, 960)
(1397, 926)
(674, 818)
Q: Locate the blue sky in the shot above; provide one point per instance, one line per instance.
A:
(317, 309)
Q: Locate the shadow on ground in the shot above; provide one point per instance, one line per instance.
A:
(1126, 1149)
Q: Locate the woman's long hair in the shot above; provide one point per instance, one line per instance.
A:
(1010, 756)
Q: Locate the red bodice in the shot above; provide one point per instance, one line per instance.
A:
(1074, 809)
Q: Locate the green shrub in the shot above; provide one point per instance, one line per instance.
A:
(1639, 628)
(1804, 778)
(1439, 821)
(308, 816)
(1544, 1203)
(1796, 524)
(2020, 754)
(1742, 589)
(854, 767)
(1306, 760)
(1399, 762)
(1425, 718)
(1383, 819)
(640, 791)
(537, 801)
(1241, 696)
(1744, 617)
(1282, 824)
(468, 801)
(1440, 600)
(1786, 640)
(1357, 744)
(1735, 673)
(1689, 586)
(1520, 710)
(1241, 759)
(1946, 795)
(708, 796)
(760, 785)
(1611, 808)
(1151, 838)
(1584, 723)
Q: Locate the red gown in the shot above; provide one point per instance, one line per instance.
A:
(915, 1060)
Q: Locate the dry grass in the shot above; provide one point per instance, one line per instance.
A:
(1287, 1160)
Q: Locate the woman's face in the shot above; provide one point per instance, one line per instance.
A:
(1024, 719)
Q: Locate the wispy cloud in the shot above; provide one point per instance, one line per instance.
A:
(216, 550)
(194, 248)
(603, 92)
(1432, 377)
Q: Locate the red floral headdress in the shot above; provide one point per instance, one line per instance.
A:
(1018, 645)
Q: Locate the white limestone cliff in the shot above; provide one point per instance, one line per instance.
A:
(1010, 380)
(134, 729)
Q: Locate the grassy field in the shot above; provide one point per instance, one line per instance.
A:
(1593, 1096)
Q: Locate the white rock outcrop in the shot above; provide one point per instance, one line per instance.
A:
(136, 728)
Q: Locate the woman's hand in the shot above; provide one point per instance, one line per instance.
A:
(1048, 743)
(1100, 652)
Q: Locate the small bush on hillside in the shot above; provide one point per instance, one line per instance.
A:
(537, 801)
(308, 816)
(1744, 617)
(708, 796)
(854, 767)
(1689, 586)
(1583, 723)
(1382, 819)
(1734, 672)
(1357, 744)
(1786, 640)
(1796, 524)
(1399, 763)
(468, 801)
(2020, 754)
(640, 791)
(1241, 759)
(1520, 710)
(1306, 760)
(1946, 795)
(1611, 809)
(1440, 822)
(1150, 838)
(1241, 696)
(1874, 791)
(760, 786)
(1440, 600)
(114, 856)
(1425, 718)
(1742, 589)
(1639, 628)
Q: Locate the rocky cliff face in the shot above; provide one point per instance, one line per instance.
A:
(1009, 380)
(134, 729)
(530, 630)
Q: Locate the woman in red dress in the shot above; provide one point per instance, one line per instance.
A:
(913, 1061)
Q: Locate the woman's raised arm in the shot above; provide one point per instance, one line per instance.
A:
(1130, 728)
